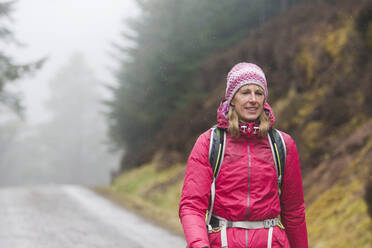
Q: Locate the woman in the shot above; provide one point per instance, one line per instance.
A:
(246, 189)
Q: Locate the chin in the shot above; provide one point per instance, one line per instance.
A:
(251, 118)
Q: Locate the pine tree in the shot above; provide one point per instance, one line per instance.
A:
(169, 43)
(75, 135)
(9, 70)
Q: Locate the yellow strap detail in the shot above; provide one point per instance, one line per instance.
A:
(278, 159)
(218, 158)
(280, 224)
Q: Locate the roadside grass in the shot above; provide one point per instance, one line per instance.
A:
(339, 216)
(341, 213)
(150, 192)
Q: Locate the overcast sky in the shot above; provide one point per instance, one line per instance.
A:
(58, 28)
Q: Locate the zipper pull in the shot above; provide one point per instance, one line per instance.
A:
(244, 128)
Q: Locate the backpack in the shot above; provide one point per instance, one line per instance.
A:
(217, 150)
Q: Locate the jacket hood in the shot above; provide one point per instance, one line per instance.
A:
(222, 121)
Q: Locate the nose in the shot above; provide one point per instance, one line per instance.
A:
(252, 98)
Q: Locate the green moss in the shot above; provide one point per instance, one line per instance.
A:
(339, 218)
(334, 42)
(306, 103)
(306, 60)
(283, 103)
(360, 164)
(336, 219)
(367, 147)
(357, 120)
(311, 134)
(313, 191)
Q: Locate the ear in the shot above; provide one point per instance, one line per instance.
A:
(232, 103)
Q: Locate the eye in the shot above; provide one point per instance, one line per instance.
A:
(260, 93)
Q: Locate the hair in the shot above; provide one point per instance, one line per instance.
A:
(233, 118)
(233, 129)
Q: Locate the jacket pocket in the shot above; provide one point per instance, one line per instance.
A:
(214, 239)
(280, 238)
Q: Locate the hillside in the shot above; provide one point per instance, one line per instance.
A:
(317, 58)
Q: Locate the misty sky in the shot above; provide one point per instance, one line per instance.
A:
(58, 28)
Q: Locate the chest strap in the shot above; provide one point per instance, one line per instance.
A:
(219, 224)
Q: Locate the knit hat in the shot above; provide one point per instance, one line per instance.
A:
(242, 74)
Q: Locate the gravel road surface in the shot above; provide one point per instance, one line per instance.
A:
(70, 216)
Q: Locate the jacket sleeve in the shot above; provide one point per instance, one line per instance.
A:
(195, 194)
(292, 198)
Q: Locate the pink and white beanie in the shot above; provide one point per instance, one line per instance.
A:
(242, 74)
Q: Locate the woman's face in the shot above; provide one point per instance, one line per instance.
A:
(248, 102)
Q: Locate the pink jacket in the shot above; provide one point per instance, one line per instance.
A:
(246, 189)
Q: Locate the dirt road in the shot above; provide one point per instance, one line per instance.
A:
(72, 216)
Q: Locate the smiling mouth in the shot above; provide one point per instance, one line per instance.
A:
(251, 109)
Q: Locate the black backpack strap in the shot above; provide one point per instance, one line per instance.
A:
(279, 153)
(216, 153)
(216, 149)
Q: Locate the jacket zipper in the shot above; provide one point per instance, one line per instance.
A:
(249, 178)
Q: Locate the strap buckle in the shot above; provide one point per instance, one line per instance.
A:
(270, 223)
(213, 229)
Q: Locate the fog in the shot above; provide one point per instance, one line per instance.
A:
(61, 135)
